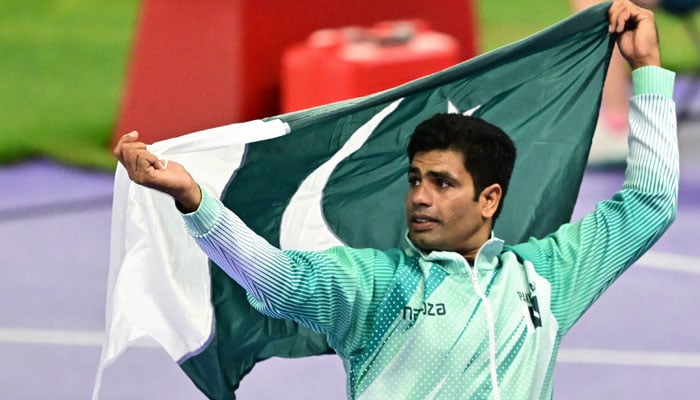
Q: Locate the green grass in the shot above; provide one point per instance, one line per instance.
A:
(63, 65)
(505, 21)
(61, 73)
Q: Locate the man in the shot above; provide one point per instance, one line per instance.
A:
(456, 314)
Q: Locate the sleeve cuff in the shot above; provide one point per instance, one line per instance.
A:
(653, 80)
(203, 219)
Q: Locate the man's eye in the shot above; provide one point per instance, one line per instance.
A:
(413, 181)
(443, 184)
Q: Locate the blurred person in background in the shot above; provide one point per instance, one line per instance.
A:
(609, 147)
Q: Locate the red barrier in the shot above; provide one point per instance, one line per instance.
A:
(339, 64)
(195, 65)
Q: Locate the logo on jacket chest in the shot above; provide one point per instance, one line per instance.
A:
(530, 300)
(427, 309)
(525, 298)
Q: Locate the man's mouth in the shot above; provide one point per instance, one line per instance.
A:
(423, 222)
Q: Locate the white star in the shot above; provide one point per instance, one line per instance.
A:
(451, 108)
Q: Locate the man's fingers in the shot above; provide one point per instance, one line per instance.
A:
(145, 169)
(127, 142)
(619, 14)
(146, 163)
(625, 16)
(129, 137)
(613, 12)
(622, 19)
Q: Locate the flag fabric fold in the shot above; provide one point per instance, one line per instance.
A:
(335, 174)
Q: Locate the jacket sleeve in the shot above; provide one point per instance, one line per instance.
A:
(583, 258)
(334, 292)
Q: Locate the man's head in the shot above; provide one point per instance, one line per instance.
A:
(459, 175)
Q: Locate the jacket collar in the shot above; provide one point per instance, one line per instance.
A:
(486, 257)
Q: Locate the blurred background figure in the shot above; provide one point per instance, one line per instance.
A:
(609, 146)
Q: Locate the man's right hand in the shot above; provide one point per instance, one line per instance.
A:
(146, 169)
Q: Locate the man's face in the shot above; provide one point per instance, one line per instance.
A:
(441, 211)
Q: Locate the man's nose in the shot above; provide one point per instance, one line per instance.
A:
(420, 195)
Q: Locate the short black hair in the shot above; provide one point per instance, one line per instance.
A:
(488, 152)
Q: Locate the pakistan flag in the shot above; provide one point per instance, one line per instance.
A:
(336, 175)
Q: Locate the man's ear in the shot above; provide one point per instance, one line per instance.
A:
(489, 199)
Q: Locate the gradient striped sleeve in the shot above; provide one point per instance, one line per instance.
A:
(582, 259)
(333, 292)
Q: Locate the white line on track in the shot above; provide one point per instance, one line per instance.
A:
(629, 358)
(670, 262)
(655, 260)
(51, 337)
(566, 355)
(59, 337)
